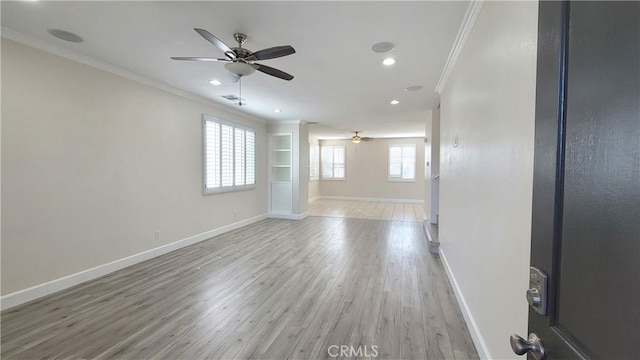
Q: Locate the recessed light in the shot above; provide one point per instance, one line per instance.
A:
(395, 102)
(413, 88)
(277, 110)
(215, 82)
(389, 61)
(382, 47)
(65, 35)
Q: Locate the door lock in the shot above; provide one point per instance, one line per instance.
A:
(537, 293)
(533, 297)
(533, 346)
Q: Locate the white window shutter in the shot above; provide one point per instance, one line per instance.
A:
(229, 156)
(239, 157)
(212, 154)
(402, 162)
(250, 159)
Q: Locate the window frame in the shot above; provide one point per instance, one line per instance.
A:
(391, 178)
(314, 162)
(333, 178)
(227, 188)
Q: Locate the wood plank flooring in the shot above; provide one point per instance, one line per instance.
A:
(373, 210)
(277, 289)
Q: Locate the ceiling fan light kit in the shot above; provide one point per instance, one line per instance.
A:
(239, 68)
(356, 139)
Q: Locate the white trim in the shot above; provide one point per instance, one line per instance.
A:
(314, 199)
(399, 180)
(286, 122)
(478, 340)
(473, 10)
(95, 63)
(288, 216)
(412, 201)
(35, 292)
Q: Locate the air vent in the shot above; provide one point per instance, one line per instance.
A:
(65, 35)
(233, 98)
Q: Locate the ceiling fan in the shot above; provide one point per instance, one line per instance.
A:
(356, 139)
(240, 61)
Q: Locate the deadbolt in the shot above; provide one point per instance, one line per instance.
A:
(533, 345)
(533, 297)
(537, 293)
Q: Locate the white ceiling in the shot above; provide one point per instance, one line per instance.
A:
(339, 82)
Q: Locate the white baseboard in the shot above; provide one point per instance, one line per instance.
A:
(35, 292)
(478, 340)
(412, 201)
(288, 216)
(314, 199)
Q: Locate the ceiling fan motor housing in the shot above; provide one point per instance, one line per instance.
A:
(242, 53)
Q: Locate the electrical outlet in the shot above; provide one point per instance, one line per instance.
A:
(157, 235)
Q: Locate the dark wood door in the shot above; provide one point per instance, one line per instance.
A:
(586, 200)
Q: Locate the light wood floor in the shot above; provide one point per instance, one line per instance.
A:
(273, 290)
(373, 210)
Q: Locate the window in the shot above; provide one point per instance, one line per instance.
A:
(402, 163)
(229, 156)
(314, 162)
(333, 163)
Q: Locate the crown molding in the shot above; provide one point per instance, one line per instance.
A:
(98, 64)
(473, 10)
(287, 122)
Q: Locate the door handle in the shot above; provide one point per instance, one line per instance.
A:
(533, 345)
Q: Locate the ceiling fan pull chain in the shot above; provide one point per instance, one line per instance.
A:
(240, 91)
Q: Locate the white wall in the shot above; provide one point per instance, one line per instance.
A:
(428, 145)
(303, 168)
(367, 169)
(93, 164)
(314, 186)
(486, 183)
(434, 206)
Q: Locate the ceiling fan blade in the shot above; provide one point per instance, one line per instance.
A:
(273, 72)
(192, 58)
(233, 77)
(217, 42)
(274, 52)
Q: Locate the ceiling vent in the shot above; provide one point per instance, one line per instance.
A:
(233, 98)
